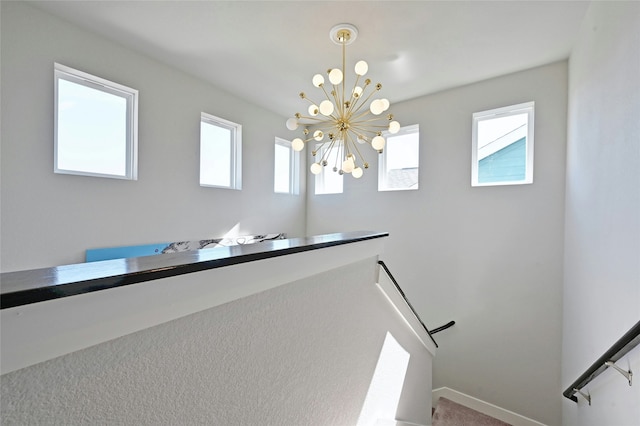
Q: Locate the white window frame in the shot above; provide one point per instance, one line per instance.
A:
(62, 72)
(320, 184)
(526, 108)
(382, 159)
(294, 168)
(235, 160)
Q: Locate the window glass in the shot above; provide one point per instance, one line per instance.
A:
(95, 126)
(329, 181)
(281, 172)
(286, 168)
(398, 165)
(219, 152)
(502, 146)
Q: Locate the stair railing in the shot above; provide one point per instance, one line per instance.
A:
(397, 286)
(624, 345)
(442, 327)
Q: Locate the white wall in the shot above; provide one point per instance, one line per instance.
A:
(602, 239)
(304, 353)
(50, 219)
(489, 258)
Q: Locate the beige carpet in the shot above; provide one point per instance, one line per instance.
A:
(449, 413)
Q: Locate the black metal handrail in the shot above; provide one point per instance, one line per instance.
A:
(624, 345)
(397, 286)
(442, 327)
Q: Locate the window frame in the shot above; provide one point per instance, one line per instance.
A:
(235, 154)
(293, 166)
(100, 84)
(526, 108)
(382, 159)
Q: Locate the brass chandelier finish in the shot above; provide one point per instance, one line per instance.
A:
(346, 118)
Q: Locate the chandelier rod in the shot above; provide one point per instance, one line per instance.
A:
(344, 36)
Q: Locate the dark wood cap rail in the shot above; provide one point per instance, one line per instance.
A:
(37, 285)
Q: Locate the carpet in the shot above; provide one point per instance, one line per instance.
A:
(449, 413)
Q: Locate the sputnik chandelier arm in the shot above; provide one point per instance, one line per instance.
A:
(342, 121)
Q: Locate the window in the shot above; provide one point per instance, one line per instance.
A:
(96, 129)
(328, 181)
(286, 168)
(220, 152)
(502, 146)
(399, 161)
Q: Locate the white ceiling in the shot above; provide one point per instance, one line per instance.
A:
(267, 51)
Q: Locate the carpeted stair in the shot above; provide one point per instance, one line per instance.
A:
(449, 413)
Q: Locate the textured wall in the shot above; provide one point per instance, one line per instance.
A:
(49, 219)
(301, 354)
(489, 258)
(602, 254)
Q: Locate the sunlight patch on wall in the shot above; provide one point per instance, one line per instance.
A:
(386, 385)
(233, 232)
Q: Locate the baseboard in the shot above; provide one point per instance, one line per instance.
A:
(507, 416)
(383, 422)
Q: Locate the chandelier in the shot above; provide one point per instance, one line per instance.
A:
(346, 118)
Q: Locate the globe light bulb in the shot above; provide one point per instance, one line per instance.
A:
(376, 107)
(313, 110)
(292, 124)
(318, 135)
(348, 165)
(394, 127)
(377, 143)
(357, 173)
(335, 76)
(361, 68)
(316, 168)
(385, 104)
(326, 107)
(318, 80)
(357, 92)
(297, 144)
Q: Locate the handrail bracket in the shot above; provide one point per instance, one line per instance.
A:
(615, 353)
(586, 396)
(627, 374)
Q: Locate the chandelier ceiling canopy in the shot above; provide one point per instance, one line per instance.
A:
(343, 117)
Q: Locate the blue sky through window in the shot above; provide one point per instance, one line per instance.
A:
(215, 155)
(282, 178)
(92, 130)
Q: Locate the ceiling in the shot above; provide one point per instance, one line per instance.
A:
(268, 51)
